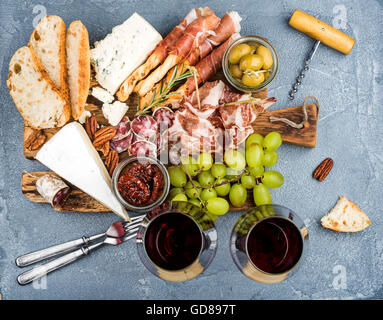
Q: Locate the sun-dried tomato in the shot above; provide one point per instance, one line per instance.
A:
(141, 184)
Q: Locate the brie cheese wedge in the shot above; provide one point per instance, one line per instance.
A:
(72, 156)
(122, 51)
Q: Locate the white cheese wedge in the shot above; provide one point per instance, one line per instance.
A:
(114, 112)
(122, 51)
(72, 156)
(102, 95)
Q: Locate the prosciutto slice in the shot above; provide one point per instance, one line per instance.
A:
(229, 24)
(213, 124)
(206, 68)
(160, 52)
(195, 33)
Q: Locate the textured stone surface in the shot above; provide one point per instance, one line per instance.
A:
(350, 131)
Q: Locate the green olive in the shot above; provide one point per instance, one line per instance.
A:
(251, 61)
(238, 52)
(235, 71)
(267, 57)
(253, 45)
(253, 80)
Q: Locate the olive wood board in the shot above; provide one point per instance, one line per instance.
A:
(305, 137)
(79, 201)
(94, 106)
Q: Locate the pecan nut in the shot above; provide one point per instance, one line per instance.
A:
(111, 161)
(104, 148)
(35, 140)
(103, 135)
(91, 126)
(322, 171)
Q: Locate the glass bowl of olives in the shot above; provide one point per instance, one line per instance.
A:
(250, 63)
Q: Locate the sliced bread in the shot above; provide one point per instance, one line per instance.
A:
(346, 216)
(48, 41)
(36, 97)
(78, 65)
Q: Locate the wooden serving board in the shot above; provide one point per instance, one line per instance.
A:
(305, 137)
(79, 201)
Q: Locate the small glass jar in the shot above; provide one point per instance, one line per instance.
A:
(129, 161)
(238, 84)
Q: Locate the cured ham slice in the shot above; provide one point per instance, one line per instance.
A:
(229, 24)
(206, 68)
(160, 52)
(195, 33)
(217, 122)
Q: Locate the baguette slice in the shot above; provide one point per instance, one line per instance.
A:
(78, 64)
(48, 41)
(346, 216)
(39, 101)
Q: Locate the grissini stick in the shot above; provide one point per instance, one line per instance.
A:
(323, 33)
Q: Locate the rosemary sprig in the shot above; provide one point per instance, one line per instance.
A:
(163, 95)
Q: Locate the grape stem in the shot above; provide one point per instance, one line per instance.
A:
(194, 186)
(234, 179)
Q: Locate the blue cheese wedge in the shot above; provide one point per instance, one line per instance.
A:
(72, 156)
(102, 95)
(114, 112)
(122, 51)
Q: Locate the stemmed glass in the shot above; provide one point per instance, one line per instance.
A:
(284, 233)
(157, 219)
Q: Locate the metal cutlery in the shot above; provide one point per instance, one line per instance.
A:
(117, 233)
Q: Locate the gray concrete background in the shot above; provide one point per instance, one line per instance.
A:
(349, 88)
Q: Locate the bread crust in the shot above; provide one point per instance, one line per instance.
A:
(83, 75)
(63, 75)
(44, 75)
(329, 223)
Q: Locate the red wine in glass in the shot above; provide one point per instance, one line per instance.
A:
(274, 245)
(173, 241)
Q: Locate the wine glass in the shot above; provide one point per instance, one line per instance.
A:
(177, 241)
(268, 243)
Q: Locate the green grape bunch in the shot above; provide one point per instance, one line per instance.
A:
(214, 186)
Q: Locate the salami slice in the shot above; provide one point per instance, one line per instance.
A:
(144, 126)
(143, 148)
(164, 118)
(123, 144)
(123, 129)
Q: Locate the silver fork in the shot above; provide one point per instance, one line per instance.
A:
(115, 231)
(129, 232)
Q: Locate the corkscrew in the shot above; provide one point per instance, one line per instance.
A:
(323, 33)
(301, 75)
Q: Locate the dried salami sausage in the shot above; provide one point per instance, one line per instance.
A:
(53, 189)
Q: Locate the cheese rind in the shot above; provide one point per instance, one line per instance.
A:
(122, 51)
(72, 156)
